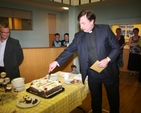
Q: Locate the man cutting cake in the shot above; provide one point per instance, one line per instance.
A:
(95, 43)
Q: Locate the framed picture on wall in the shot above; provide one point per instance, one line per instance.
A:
(127, 30)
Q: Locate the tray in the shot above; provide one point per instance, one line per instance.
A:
(49, 96)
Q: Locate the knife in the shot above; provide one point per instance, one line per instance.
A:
(49, 74)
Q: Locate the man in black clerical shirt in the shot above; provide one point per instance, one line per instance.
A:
(95, 42)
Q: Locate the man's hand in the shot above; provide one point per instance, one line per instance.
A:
(52, 66)
(103, 63)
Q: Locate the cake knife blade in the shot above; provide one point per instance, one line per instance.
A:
(49, 74)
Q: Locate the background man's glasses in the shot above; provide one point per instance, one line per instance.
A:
(5, 32)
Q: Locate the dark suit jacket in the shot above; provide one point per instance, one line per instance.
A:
(13, 57)
(107, 46)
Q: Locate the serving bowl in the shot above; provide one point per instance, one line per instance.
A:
(18, 83)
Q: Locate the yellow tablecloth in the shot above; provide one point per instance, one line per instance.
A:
(64, 102)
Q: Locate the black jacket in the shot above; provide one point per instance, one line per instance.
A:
(107, 46)
(13, 57)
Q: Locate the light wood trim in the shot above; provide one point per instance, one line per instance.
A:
(36, 62)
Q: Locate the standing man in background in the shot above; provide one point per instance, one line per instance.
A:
(65, 42)
(57, 42)
(11, 54)
(95, 42)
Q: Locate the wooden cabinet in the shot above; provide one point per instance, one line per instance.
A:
(36, 62)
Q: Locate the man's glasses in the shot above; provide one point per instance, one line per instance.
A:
(5, 32)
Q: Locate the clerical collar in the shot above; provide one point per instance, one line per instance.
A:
(90, 31)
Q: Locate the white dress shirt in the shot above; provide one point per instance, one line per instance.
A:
(2, 49)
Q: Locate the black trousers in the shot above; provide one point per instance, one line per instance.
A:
(139, 77)
(95, 81)
(2, 69)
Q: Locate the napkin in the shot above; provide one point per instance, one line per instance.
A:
(96, 68)
(78, 77)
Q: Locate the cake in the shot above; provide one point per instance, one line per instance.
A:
(45, 87)
(7, 79)
(9, 85)
(1, 80)
(74, 81)
(8, 88)
(3, 74)
(22, 100)
(28, 100)
(2, 89)
(14, 92)
(25, 96)
(34, 101)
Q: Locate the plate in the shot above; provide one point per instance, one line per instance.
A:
(72, 81)
(25, 105)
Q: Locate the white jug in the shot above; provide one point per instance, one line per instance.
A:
(18, 83)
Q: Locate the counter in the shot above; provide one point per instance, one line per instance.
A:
(125, 59)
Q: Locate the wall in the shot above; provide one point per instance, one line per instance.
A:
(123, 12)
(39, 36)
(65, 24)
(113, 12)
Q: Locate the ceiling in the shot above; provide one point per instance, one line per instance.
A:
(51, 4)
(47, 4)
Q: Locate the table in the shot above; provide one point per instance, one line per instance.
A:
(64, 102)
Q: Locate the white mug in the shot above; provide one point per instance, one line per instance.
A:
(66, 76)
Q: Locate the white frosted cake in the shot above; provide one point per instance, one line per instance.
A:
(45, 87)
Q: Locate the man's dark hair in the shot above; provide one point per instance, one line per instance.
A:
(57, 34)
(73, 66)
(89, 14)
(66, 34)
